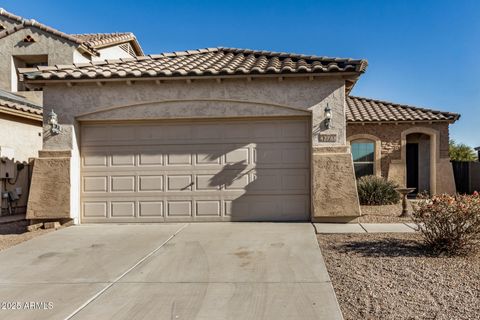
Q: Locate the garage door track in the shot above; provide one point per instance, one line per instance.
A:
(169, 271)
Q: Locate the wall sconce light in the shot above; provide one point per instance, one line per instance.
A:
(328, 117)
(53, 122)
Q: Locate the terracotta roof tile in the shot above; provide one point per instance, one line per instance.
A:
(361, 110)
(90, 42)
(17, 103)
(202, 62)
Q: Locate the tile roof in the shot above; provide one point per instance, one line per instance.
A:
(202, 62)
(100, 40)
(88, 42)
(370, 110)
(25, 23)
(19, 105)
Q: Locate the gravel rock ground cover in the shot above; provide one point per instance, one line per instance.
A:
(16, 232)
(393, 276)
(383, 214)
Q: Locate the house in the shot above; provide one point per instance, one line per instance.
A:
(27, 43)
(223, 134)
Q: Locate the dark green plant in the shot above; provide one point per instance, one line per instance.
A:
(373, 190)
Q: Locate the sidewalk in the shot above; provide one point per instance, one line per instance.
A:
(364, 227)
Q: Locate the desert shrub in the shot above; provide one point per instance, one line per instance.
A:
(449, 224)
(373, 190)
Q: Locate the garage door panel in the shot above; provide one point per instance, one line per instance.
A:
(150, 209)
(287, 154)
(95, 160)
(95, 209)
(179, 183)
(201, 171)
(150, 158)
(122, 209)
(122, 183)
(122, 159)
(150, 183)
(234, 180)
(94, 184)
(178, 208)
(206, 182)
(208, 208)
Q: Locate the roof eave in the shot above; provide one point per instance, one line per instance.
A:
(450, 121)
(190, 77)
(21, 114)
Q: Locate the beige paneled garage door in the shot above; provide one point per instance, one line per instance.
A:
(255, 170)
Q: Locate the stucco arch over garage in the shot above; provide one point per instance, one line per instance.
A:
(188, 108)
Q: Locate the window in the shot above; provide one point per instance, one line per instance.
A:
(363, 154)
(25, 61)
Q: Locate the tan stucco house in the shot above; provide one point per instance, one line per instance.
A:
(222, 134)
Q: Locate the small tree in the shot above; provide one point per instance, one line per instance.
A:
(461, 152)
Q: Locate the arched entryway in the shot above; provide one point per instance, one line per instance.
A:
(418, 162)
(419, 155)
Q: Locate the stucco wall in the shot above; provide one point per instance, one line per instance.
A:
(148, 100)
(22, 135)
(59, 51)
(390, 136)
(114, 52)
(392, 162)
(199, 99)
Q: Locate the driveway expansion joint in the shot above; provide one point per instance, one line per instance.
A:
(110, 284)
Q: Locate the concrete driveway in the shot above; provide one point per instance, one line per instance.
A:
(169, 271)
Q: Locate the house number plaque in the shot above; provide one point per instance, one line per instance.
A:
(327, 138)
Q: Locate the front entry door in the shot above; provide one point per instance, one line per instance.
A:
(412, 166)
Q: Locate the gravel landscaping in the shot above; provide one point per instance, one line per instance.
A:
(392, 276)
(383, 214)
(16, 232)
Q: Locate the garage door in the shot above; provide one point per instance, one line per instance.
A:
(255, 170)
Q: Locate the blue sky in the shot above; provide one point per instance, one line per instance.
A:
(424, 53)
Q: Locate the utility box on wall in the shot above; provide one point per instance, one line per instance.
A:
(7, 163)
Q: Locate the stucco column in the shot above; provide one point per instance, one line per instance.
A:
(334, 190)
(56, 178)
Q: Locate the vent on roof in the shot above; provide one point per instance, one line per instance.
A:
(128, 49)
(28, 38)
(2, 27)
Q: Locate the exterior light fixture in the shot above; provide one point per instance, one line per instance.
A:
(53, 122)
(328, 117)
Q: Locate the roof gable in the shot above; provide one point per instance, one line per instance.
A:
(102, 40)
(87, 42)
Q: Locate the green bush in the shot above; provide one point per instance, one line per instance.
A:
(449, 224)
(373, 190)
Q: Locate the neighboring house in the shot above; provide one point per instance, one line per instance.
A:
(27, 43)
(402, 143)
(20, 140)
(225, 134)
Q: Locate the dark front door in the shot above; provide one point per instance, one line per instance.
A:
(412, 166)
